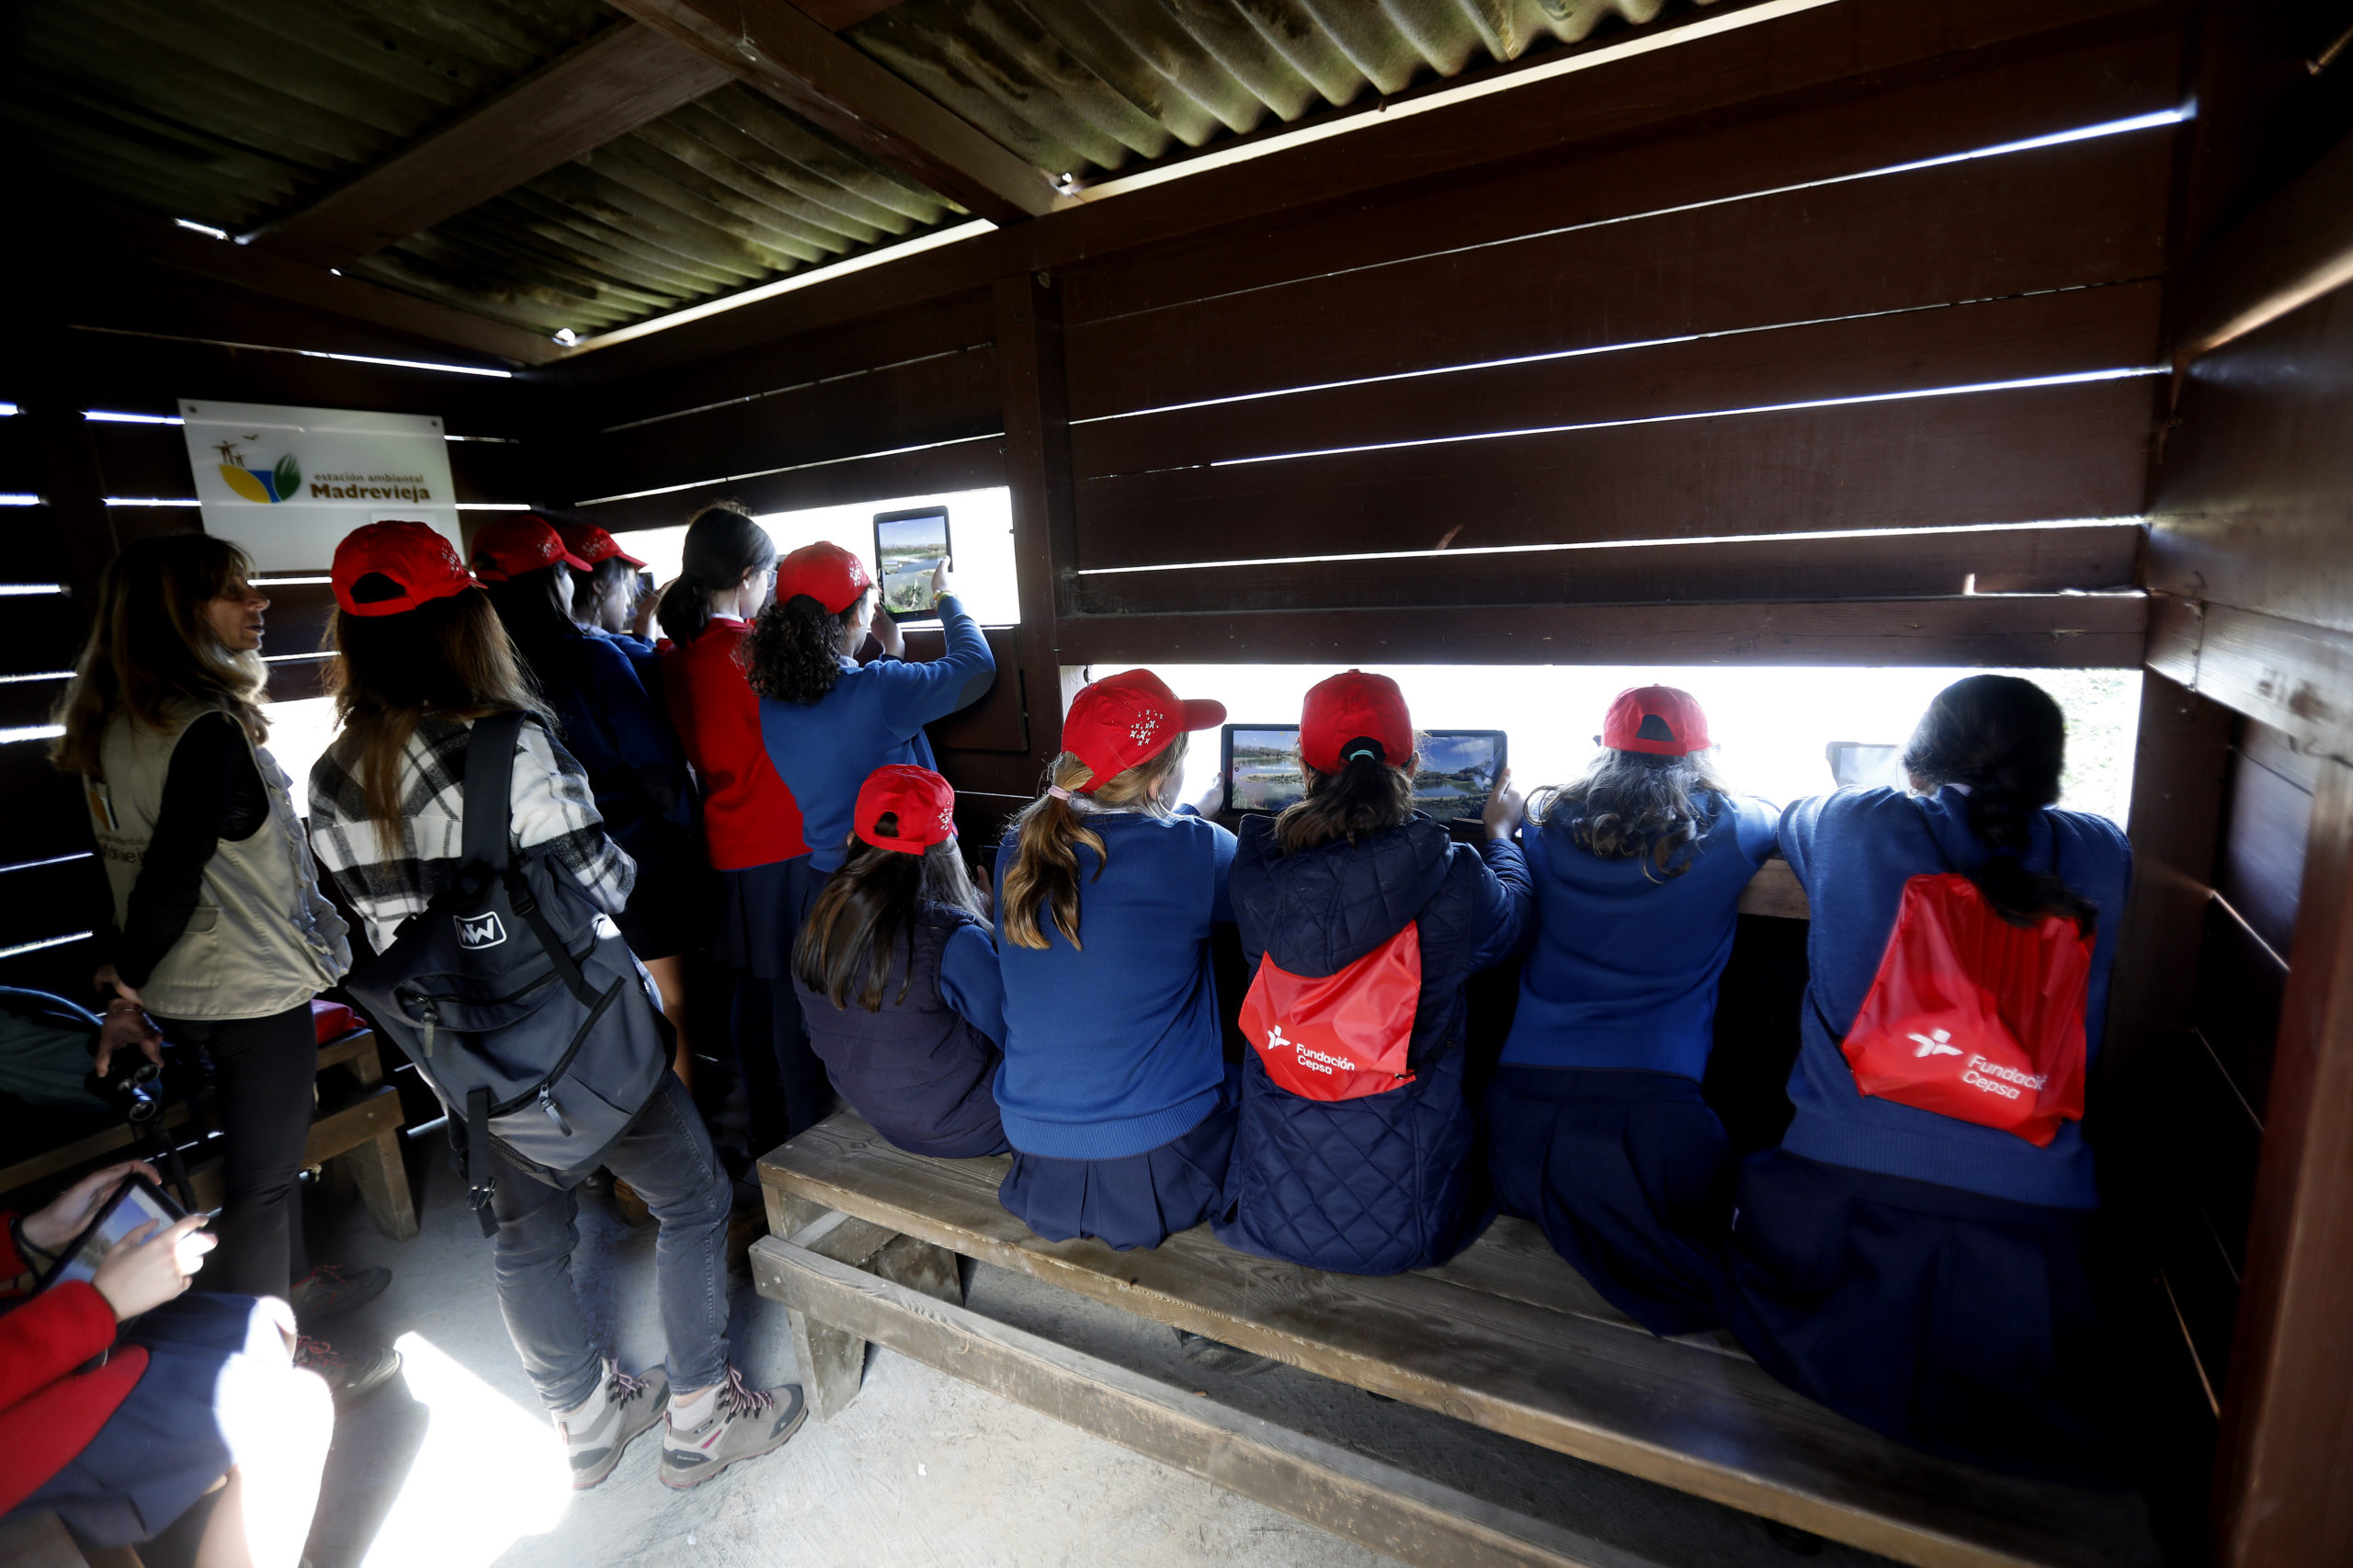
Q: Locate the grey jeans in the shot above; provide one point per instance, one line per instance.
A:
(666, 1154)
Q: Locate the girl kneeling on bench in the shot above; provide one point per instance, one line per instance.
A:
(1925, 1272)
(1114, 1093)
(898, 977)
(1597, 1132)
(1355, 902)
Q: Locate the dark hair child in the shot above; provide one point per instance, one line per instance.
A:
(1925, 1275)
(898, 977)
(1382, 1182)
(1597, 1132)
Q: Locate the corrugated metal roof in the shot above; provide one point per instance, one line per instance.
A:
(1081, 86)
(229, 112)
(730, 191)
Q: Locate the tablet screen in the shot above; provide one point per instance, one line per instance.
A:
(908, 549)
(132, 1207)
(1455, 773)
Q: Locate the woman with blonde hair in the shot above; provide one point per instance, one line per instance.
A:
(1114, 1092)
(219, 929)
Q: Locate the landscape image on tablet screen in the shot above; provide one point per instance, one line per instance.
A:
(909, 550)
(1455, 775)
(1266, 769)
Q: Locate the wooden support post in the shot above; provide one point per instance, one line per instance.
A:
(382, 1179)
(1037, 468)
(833, 1359)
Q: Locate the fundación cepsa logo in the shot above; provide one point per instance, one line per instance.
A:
(283, 481)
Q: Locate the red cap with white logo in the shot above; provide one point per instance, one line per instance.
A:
(826, 573)
(590, 543)
(1126, 719)
(1349, 709)
(509, 547)
(1660, 719)
(391, 568)
(920, 800)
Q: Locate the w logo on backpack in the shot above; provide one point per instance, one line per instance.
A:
(478, 931)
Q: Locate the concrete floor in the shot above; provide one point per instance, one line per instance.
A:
(450, 1467)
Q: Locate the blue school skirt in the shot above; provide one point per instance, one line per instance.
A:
(1138, 1201)
(760, 911)
(1629, 1174)
(1958, 1324)
(162, 1448)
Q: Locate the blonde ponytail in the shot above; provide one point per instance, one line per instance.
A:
(1044, 877)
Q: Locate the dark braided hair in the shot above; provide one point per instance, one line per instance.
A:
(2006, 740)
(722, 543)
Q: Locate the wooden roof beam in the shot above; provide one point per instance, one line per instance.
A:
(796, 60)
(617, 80)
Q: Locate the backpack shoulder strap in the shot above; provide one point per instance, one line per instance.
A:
(490, 772)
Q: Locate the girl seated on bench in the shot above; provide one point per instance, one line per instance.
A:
(1922, 1273)
(1597, 1132)
(1114, 1092)
(1349, 1170)
(897, 973)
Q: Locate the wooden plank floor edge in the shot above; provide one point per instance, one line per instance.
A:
(1393, 1511)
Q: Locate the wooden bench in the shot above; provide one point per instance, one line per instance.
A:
(1505, 1336)
(360, 1133)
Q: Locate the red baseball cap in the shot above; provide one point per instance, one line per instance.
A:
(925, 804)
(589, 544)
(826, 573)
(1659, 719)
(516, 545)
(416, 560)
(1126, 719)
(1352, 707)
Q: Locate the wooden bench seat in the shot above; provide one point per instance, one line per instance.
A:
(1505, 1336)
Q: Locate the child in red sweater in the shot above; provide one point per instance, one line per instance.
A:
(123, 1400)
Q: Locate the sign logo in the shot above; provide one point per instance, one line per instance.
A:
(280, 481)
(1938, 1044)
(479, 931)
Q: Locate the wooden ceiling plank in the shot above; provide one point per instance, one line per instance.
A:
(609, 86)
(784, 52)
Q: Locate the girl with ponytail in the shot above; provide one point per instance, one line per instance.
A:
(1595, 1126)
(1926, 1274)
(751, 823)
(1380, 1182)
(1114, 1091)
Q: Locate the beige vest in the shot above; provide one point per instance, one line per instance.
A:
(263, 937)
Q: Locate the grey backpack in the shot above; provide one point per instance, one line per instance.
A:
(518, 1000)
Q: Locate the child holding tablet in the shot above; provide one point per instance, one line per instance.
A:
(1597, 1128)
(898, 976)
(1114, 1092)
(1364, 1176)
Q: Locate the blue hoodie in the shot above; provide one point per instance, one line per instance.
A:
(1115, 1047)
(1853, 851)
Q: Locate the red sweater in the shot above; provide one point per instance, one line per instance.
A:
(749, 817)
(49, 1412)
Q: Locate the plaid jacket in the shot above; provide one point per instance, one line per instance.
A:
(551, 804)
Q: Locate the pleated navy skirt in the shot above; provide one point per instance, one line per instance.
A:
(1138, 1201)
(1962, 1324)
(1629, 1173)
(760, 911)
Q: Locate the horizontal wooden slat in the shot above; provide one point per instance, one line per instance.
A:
(2296, 677)
(297, 680)
(44, 631)
(21, 471)
(51, 900)
(31, 702)
(2025, 631)
(46, 816)
(957, 465)
(1999, 340)
(941, 397)
(2054, 218)
(136, 371)
(296, 621)
(142, 459)
(1877, 566)
(2026, 455)
(62, 970)
(496, 472)
(995, 722)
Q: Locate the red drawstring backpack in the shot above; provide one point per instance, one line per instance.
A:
(1343, 1037)
(1973, 1017)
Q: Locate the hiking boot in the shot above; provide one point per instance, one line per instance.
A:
(351, 1375)
(631, 1404)
(745, 1423)
(330, 1290)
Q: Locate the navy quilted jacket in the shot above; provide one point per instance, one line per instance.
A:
(1377, 1185)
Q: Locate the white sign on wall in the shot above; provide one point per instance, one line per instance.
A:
(286, 484)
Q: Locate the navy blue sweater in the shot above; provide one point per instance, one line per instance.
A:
(875, 714)
(1853, 851)
(621, 736)
(1624, 971)
(1114, 1048)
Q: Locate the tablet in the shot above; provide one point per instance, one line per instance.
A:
(1456, 773)
(908, 548)
(134, 1203)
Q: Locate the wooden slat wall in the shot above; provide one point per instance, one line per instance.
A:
(2035, 264)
